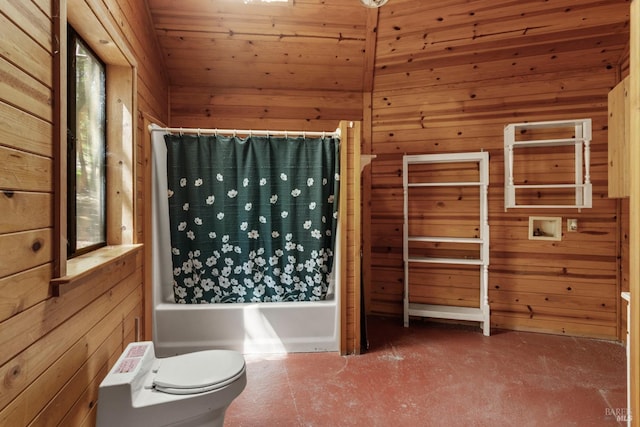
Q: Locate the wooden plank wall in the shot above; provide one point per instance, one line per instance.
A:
(448, 78)
(55, 351)
(250, 108)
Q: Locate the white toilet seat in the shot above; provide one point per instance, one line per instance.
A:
(198, 372)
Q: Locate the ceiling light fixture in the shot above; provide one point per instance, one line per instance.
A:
(373, 3)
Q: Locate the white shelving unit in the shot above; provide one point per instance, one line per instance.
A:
(482, 312)
(580, 139)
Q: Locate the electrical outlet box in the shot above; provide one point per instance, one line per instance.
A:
(572, 224)
(545, 228)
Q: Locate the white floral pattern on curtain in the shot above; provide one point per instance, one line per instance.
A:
(252, 219)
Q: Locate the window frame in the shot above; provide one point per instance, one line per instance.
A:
(73, 39)
(93, 22)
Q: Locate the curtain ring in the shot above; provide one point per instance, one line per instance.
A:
(323, 133)
(181, 133)
(235, 133)
(250, 133)
(304, 135)
(198, 131)
(215, 131)
(286, 134)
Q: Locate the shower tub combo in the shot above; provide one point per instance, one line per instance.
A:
(267, 327)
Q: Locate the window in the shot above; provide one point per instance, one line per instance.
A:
(86, 148)
(96, 51)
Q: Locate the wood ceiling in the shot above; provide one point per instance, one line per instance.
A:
(327, 44)
(309, 45)
(412, 37)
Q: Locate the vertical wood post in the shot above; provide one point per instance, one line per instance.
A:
(634, 209)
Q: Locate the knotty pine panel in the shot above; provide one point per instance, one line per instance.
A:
(31, 20)
(562, 325)
(523, 15)
(211, 107)
(23, 211)
(263, 46)
(83, 411)
(462, 29)
(85, 359)
(243, 49)
(554, 284)
(57, 350)
(25, 171)
(452, 88)
(592, 307)
(139, 34)
(96, 366)
(24, 289)
(508, 69)
(24, 250)
(275, 75)
(24, 91)
(25, 52)
(25, 132)
(238, 18)
(445, 285)
(434, 95)
(37, 359)
(18, 332)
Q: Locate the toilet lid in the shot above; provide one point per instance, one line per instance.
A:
(198, 372)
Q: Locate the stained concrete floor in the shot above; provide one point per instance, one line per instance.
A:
(439, 375)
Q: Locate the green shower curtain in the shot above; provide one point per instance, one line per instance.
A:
(252, 219)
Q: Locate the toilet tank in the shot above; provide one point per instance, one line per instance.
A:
(118, 389)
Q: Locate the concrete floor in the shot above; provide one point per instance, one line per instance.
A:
(439, 375)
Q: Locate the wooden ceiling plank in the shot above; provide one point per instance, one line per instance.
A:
(586, 60)
(552, 51)
(499, 14)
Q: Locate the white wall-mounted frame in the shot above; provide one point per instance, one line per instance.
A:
(482, 312)
(581, 140)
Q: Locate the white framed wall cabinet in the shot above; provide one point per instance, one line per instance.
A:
(547, 164)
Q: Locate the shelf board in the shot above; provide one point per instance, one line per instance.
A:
(547, 185)
(584, 123)
(459, 261)
(445, 184)
(547, 206)
(445, 239)
(447, 312)
(445, 158)
(551, 142)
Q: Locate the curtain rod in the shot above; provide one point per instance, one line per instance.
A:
(235, 132)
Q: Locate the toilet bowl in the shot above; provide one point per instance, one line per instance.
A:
(188, 390)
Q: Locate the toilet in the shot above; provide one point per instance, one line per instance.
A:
(187, 390)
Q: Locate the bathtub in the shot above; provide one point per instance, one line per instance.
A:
(271, 327)
(276, 327)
